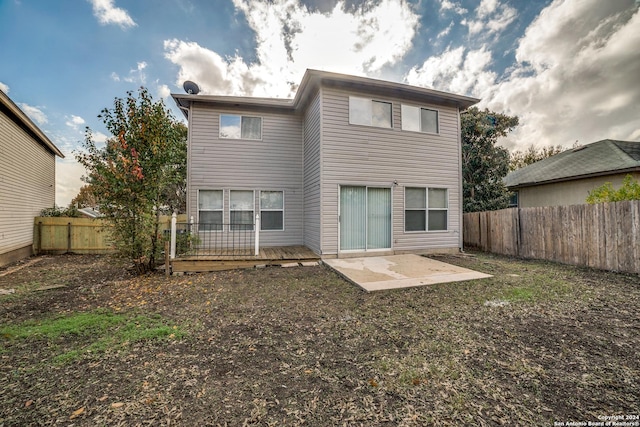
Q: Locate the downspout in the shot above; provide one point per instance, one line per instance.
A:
(188, 111)
(460, 188)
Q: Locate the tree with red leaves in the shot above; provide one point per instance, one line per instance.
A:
(132, 174)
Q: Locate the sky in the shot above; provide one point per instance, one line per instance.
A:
(569, 69)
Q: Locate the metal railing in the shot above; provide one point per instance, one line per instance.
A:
(193, 239)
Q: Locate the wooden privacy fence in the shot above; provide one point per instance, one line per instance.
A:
(56, 235)
(605, 235)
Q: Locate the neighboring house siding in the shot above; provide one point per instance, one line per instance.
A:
(371, 156)
(572, 192)
(312, 176)
(27, 177)
(274, 163)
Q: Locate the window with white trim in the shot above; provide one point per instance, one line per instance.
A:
(418, 119)
(272, 210)
(210, 210)
(425, 209)
(233, 126)
(241, 208)
(438, 209)
(365, 111)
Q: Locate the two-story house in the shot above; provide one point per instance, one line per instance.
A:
(350, 165)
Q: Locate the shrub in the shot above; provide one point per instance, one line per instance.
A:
(630, 190)
(57, 211)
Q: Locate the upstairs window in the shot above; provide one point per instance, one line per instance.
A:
(233, 126)
(418, 119)
(364, 111)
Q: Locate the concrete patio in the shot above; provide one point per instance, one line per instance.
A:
(399, 271)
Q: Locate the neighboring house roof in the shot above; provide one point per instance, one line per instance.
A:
(91, 212)
(314, 78)
(600, 158)
(8, 107)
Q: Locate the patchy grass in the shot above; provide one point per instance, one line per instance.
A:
(79, 334)
(295, 346)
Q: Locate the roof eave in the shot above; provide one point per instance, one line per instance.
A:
(314, 78)
(573, 178)
(184, 101)
(28, 123)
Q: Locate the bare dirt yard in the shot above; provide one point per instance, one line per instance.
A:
(83, 343)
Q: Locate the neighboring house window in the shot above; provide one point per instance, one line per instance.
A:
(240, 127)
(271, 210)
(419, 119)
(241, 209)
(364, 111)
(210, 210)
(425, 209)
(513, 200)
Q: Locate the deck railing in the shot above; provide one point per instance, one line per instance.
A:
(193, 239)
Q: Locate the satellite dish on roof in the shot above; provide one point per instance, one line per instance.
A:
(190, 87)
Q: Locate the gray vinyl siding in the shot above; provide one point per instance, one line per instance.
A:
(273, 163)
(371, 156)
(27, 184)
(312, 176)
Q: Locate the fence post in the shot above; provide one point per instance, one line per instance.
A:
(257, 234)
(39, 238)
(192, 223)
(174, 221)
(69, 237)
(167, 263)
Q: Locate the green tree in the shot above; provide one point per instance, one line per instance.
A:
(484, 164)
(85, 198)
(58, 211)
(520, 159)
(134, 171)
(630, 190)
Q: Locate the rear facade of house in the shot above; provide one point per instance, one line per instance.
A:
(350, 166)
(27, 179)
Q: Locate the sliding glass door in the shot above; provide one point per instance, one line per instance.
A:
(365, 218)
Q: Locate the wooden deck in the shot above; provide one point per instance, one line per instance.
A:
(268, 256)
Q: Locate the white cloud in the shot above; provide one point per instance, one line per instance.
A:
(4, 87)
(68, 180)
(576, 77)
(75, 121)
(135, 75)
(449, 5)
(487, 7)
(99, 137)
(164, 91)
(457, 70)
(290, 38)
(446, 31)
(108, 13)
(35, 113)
(492, 17)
